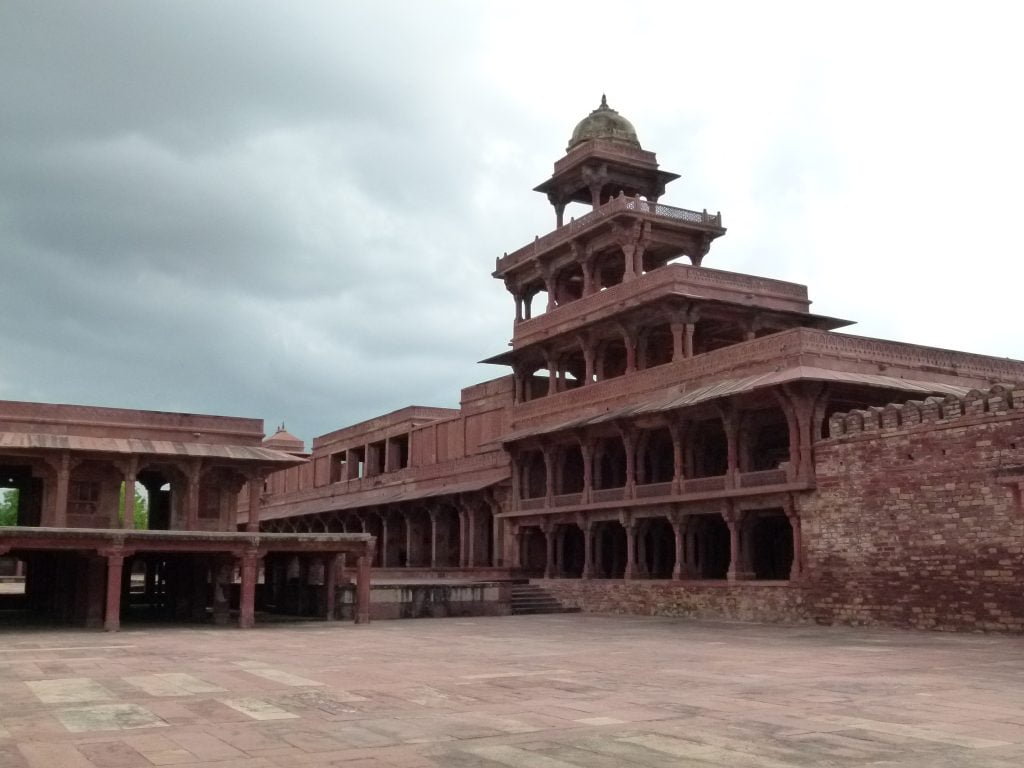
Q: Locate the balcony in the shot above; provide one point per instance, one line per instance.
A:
(617, 206)
(692, 490)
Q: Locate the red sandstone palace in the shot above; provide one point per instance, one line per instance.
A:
(671, 439)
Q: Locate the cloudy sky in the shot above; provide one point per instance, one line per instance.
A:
(291, 210)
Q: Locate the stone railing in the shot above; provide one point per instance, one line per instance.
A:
(567, 499)
(775, 349)
(671, 278)
(607, 494)
(704, 484)
(538, 502)
(653, 490)
(930, 412)
(621, 204)
(762, 477)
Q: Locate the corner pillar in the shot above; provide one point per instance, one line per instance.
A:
(115, 571)
(249, 563)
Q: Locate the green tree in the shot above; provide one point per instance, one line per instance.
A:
(8, 507)
(141, 509)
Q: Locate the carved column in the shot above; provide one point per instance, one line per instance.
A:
(796, 569)
(115, 571)
(549, 549)
(679, 532)
(131, 468)
(589, 265)
(678, 348)
(588, 547)
(193, 472)
(362, 607)
(433, 537)
(587, 454)
(675, 430)
(688, 339)
(730, 425)
(552, 363)
(630, 338)
(588, 361)
(559, 214)
(252, 523)
(630, 525)
(629, 264)
(629, 440)
(249, 566)
(549, 474)
(60, 510)
(331, 586)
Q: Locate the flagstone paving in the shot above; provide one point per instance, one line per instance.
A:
(566, 691)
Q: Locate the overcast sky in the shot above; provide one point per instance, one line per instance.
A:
(291, 210)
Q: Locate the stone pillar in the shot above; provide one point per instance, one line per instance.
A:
(519, 307)
(470, 533)
(679, 532)
(688, 340)
(551, 286)
(589, 284)
(331, 586)
(131, 469)
(587, 453)
(362, 607)
(629, 443)
(676, 432)
(559, 214)
(247, 599)
(192, 477)
(549, 559)
(629, 263)
(221, 587)
(549, 475)
(410, 561)
(678, 349)
(552, 364)
(736, 556)
(796, 569)
(588, 549)
(729, 422)
(560, 552)
(60, 510)
(630, 526)
(252, 524)
(630, 339)
(588, 365)
(115, 569)
(433, 538)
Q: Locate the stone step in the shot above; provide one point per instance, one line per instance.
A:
(534, 599)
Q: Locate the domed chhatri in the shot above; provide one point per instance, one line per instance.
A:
(604, 123)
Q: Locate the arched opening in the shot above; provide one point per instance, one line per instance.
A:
(568, 284)
(611, 359)
(656, 346)
(570, 469)
(712, 553)
(418, 538)
(771, 544)
(712, 334)
(658, 548)
(655, 457)
(709, 449)
(765, 440)
(609, 269)
(534, 475)
(571, 551)
(609, 463)
(610, 546)
(448, 536)
(533, 550)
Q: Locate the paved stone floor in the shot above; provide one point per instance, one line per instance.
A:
(538, 691)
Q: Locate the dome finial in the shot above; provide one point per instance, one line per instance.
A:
(604, 101)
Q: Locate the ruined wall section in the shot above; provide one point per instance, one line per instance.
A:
(917, 518)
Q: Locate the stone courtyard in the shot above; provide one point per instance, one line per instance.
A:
(542, 691)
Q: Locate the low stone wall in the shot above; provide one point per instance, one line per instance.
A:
(413, 601)
(744, 601)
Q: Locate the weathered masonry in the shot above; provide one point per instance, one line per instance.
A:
(82, 557)
(663, 442)
(669, 439)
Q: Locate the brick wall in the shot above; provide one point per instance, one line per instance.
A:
(744, 602)
(916, 520)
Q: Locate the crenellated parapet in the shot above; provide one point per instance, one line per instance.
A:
(997, 401)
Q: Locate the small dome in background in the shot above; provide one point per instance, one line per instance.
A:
(285, 441)
(604, 123)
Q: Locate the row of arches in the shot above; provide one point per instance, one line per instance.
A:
(741, 443)
(765, 543)
(430, 534)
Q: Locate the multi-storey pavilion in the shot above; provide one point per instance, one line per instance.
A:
(660, 419)
(73, 465)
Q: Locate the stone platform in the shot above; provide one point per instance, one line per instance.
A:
(535, 691)
(395, 598)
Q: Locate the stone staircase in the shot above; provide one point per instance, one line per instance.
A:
(530, 598)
